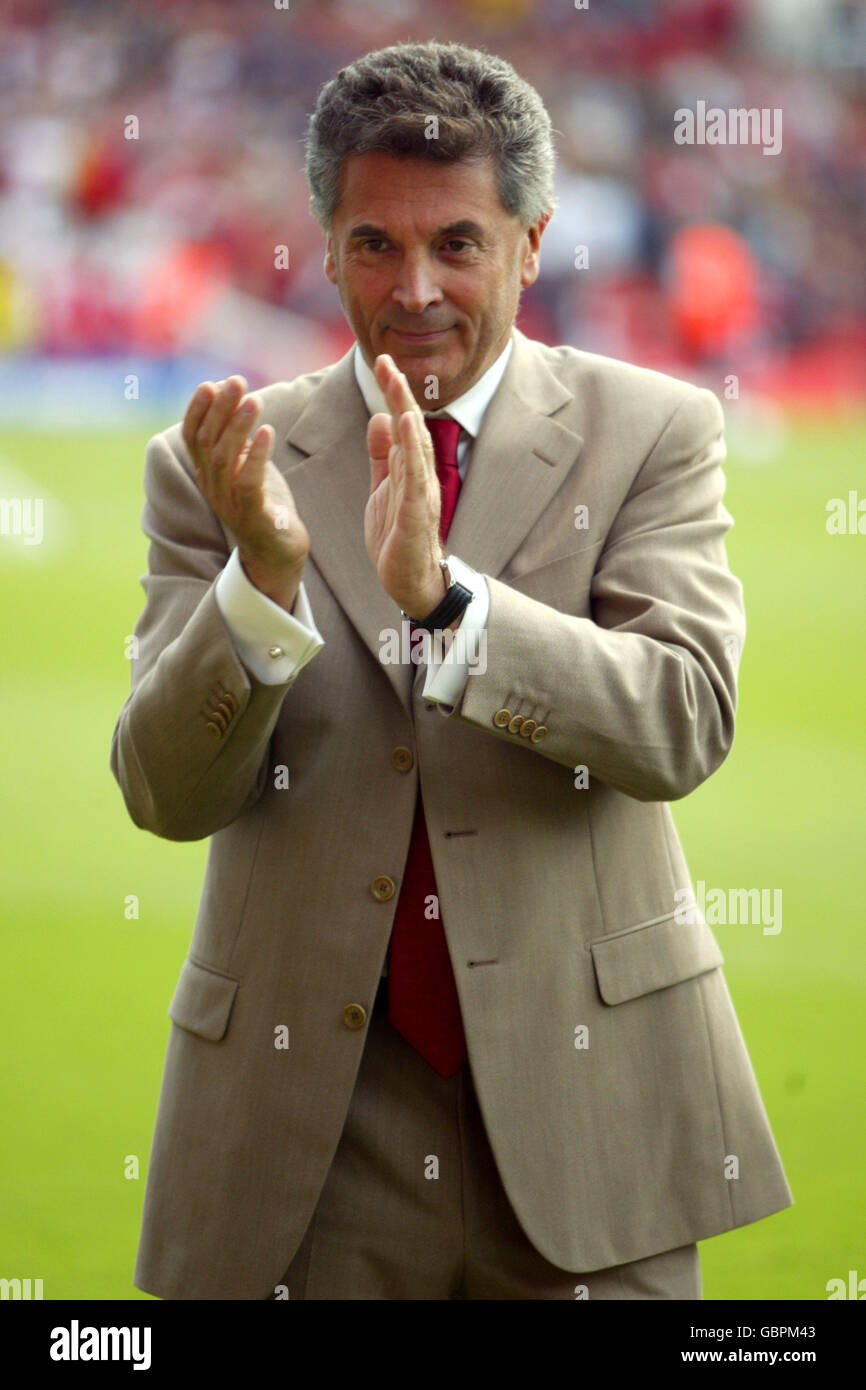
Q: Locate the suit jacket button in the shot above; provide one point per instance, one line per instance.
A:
(538, 734)
(226, 711)
(214, 728)
(527, 728)
(354, 1016)
(514, 723)
(383, 888)
(501, 718)
(402, 759)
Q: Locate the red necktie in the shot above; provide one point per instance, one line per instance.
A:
(422, 995)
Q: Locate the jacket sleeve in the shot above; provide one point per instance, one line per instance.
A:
(189, 748)
(644, 693)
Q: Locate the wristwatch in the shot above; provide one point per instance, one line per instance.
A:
(453, 605)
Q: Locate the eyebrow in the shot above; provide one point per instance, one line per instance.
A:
(464, 227)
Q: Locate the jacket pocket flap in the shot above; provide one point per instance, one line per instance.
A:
(202, 1001)
(652, 956)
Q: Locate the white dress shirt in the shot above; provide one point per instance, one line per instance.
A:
(257, 625)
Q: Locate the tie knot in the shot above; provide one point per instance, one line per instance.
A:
(445, 433)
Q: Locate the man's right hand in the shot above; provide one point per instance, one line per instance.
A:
(245, 488)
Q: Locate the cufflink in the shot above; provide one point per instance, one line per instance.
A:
(275, 653)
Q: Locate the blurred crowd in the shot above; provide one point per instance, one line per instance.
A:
(151, 159)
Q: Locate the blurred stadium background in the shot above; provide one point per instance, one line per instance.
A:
(133, 268)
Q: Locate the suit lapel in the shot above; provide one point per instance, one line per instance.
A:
(518, 463)
(330, 488)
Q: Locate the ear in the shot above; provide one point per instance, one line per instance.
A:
(530, 264)
(330, 266)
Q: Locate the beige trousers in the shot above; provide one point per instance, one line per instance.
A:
(413, 1207)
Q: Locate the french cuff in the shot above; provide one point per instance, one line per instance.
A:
(449, 669)
(271, 643)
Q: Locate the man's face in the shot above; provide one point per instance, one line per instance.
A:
(429, 266)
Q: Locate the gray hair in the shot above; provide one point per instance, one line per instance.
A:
(474, 102)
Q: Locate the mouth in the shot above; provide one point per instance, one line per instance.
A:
(420, 337)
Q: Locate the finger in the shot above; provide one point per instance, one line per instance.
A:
(249, 470)
(398, 395)
(395, 388)
(234, 439)
(236, 435)
(195, 413)
(383, 369)
(222, 407)
(406, 423)
(414, 461)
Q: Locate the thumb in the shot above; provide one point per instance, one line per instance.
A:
(379, 447)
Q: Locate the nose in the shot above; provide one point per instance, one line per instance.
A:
(417, 287)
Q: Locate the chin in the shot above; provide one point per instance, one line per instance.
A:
(418, 368)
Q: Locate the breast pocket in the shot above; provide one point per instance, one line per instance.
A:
(203, 1001)
(651, 956)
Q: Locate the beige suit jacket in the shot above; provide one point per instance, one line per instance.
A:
(558, 902)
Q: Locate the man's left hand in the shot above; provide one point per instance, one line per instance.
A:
(401, 520)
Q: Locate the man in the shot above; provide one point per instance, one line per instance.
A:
(444, 1030)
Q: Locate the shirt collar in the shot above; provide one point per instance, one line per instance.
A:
(468, 409)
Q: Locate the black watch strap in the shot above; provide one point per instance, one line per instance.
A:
(456, 601)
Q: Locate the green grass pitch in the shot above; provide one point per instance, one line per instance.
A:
(87, 990)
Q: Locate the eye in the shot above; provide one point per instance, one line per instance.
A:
(458, 242)
(372, 242)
